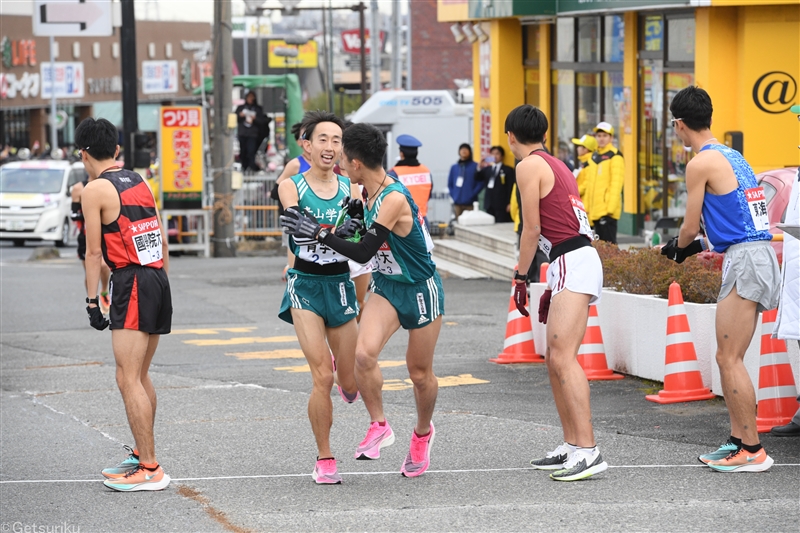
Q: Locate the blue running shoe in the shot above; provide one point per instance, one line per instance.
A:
(129, 464)
(721, 453)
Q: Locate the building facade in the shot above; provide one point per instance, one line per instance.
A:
(622, 61)
(87, 76)
(436, 59)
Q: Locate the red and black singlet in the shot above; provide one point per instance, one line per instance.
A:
(134, 238)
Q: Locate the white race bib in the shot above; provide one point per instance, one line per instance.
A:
(757, 202)
(545, 245)
(459, 181)
(384, 261)
(148, 246)
(580, 213)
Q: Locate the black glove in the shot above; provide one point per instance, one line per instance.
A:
(298, 225)
(521, 297)
(544, 306)
(350, 227)
(354, 206)
(679, 255)
(76, 214)
(96, 318)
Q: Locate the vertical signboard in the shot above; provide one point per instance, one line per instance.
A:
(181, 148)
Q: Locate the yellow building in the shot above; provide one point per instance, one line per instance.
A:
(622, 61)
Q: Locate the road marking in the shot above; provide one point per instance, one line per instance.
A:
(90, 363)
(239, 340)
(274, 354)
(444, 381)
(306, 368)
(451, 323)
(390, 473)
(212, 331)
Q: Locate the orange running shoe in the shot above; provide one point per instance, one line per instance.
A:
(743, 461)
(140, 478)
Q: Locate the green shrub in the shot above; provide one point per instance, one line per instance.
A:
(646, 271)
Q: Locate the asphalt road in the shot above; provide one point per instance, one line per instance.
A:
(233, 433)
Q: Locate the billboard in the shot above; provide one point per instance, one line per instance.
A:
(181, 149)
(159, 77)
(69, 80)
(307, 55)
(351, 41)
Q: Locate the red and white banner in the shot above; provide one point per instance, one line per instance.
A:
(351, 41)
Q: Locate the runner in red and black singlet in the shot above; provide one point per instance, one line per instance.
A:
(556, 221)
(122, 227)
(134, 238)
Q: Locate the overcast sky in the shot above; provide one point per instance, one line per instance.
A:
(192, 10)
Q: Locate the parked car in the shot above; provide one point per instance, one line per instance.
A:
(35, 200)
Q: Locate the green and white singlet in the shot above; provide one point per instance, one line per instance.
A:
(326, 212)
(403, 259)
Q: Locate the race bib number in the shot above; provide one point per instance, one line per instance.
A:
(148, 247)
(580, 213)
(147, 241)
(384, 261)
(314, 251)
(757, 202)
(545, 245)
(460, 181)
(425, 233)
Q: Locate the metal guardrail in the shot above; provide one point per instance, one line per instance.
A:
(255, 213)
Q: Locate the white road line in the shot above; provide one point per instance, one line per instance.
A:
(392, 473)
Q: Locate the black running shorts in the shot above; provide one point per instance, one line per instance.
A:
(82, 246)
(140, 300)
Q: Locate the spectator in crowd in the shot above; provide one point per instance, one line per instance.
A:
(414, 175)
(252, 124)
(461, 182)
(604, 194)
(499, 180)
(587, 171)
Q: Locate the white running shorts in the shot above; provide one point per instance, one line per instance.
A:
(579, 271)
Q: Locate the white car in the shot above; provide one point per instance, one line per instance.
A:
(35, 200)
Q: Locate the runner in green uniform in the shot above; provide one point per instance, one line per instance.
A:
(407, 292)
(320, 298)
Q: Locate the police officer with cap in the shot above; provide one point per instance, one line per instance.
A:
(413, 174)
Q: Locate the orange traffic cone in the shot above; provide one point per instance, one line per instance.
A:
(543, 272)
(682, 379)
(518, 346)
(777, 395)
(592, 353)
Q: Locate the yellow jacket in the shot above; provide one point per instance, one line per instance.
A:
(604, 193)
(588, 173)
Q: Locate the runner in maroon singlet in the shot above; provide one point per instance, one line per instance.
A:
(556, 222)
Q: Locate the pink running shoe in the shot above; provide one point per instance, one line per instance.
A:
(419, 455)
(377, 437)
(347, 398)
(325, 472)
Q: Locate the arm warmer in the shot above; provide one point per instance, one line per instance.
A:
(362, 251)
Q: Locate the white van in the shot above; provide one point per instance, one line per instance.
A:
(35, 200)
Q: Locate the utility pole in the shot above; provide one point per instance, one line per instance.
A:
(329, 56)
(222, 149)
(363, 55)
(397, 59)
(130, 122)
(408, 48)
(375, 45)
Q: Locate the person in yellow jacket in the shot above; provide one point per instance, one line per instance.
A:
(604, 193)
(587, 171)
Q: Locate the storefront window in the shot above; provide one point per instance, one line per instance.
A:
(653, 34)
(565, 39)
(532, 86)
(563, 124)
(588, 101)
(531, 44)
(613, 89)
(681, 39)
(614, 39)
(589, 39)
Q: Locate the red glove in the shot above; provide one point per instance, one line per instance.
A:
(521, 297)
(544, 305)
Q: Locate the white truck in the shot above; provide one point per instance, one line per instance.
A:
(434, 118)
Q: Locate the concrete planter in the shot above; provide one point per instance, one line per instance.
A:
(634, 334)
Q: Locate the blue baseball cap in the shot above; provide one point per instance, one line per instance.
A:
(409, 141)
